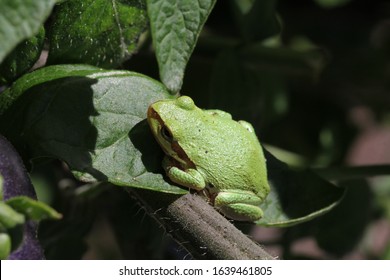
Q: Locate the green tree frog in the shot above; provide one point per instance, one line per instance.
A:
(207, 150)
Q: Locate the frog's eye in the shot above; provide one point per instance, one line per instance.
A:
(166, 134)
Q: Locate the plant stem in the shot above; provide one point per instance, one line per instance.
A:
(200, 229)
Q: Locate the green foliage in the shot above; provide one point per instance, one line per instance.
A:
(102, 33)
(96, 120)
(20, 20)
(296, 196)
(272, 63)
(16, 211)
(175, 27)
(9, 218)
(22, 58)
(5, 246)
(32, 209)
(14, 216)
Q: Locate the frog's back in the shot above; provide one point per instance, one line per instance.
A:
(231, 158)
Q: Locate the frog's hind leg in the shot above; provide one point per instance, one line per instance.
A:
(240, 206)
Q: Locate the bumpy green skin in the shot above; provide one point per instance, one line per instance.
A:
(207, 149)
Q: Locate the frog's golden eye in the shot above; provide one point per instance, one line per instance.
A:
(166, 134)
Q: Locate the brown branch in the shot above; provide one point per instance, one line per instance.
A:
(199, 228)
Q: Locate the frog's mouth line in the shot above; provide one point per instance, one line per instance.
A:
(181, 156)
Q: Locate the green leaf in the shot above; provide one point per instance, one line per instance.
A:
(22, 58)
(296, 196)
(175, 27)
(97, 32)
(5, 245)
(46, 74)
(19, 20)
(92, 119)
(33, 209)
(9, 218)
(256, 18)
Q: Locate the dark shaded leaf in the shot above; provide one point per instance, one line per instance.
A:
(9, 96)
(341, 230)
(296, 196)
(22, 58)
(93, 120)
(97, 32)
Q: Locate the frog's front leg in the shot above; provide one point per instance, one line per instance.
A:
(190, 177)
(239, 205)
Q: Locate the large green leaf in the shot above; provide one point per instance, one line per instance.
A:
(19, 20)
(175, 29)
(22, 58)
(95, 121)
(90, 118)
(97, 32)
(44, 75)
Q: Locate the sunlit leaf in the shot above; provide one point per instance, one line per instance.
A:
(175, 27)
(19, 20)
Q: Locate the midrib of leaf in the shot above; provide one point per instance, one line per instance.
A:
(116, 14)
